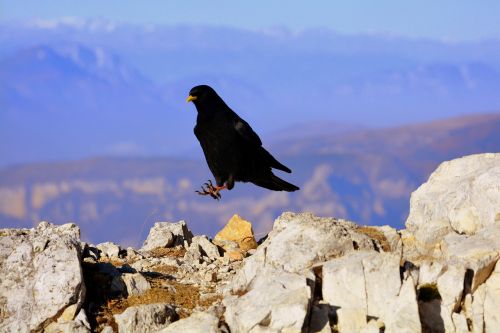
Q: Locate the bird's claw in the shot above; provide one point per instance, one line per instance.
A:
(210, 190)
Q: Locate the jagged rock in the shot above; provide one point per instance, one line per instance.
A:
(237, 230)
(196, 323)
(344, 283)
(392, 237)
(166, 234)
(275, 301)
(205, 247)
(132, 254)
(314, 240)
(69, 323)
(193, 255)
(136, 284)
(145, 318)
(402, 313)
(109, 249)
(460, 323)
(351, 320)
(492, 301)
(107, 329)
(477, 310)
(461, 196)
(450, 287)
(478, 253)
(70, 327)
(353, 284)
(40, 275)
(429, 272)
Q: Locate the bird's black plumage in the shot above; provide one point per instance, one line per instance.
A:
(232, 149)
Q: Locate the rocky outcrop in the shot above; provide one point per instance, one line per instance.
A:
(40, 277)
(164, 234)
(145, 318)
(310, 274)
(236, 238)
(461, 197)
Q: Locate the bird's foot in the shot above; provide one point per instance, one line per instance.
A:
(211, 190)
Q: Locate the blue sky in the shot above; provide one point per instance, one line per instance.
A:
(444, 19)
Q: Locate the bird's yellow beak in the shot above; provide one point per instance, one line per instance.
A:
(191, 98)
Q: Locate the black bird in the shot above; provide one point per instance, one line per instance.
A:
(232, 149)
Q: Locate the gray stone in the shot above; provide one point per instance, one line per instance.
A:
(492, 302)
(461, 196)
(166, 234)
(344, 283)
(314, 240)
(351, 320)
(145, 318)
(276, 301)
(109, 249)
(40, 275)
(199, 322)
(367, 284)
(207, 248)
(136, 284)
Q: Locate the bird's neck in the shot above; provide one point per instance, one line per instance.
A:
(207, 111)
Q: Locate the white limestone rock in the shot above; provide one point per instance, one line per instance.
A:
(462, 196)
(479, 252)
(492, 301)
(450, 286)
(206, 247)
(351, 320)
(135, 283)
(299, 241)
(344, 283)
(401, 315)
(109, 249)
(167, 234)
(477, 316)
(276, 301)
(199, 322)
(145, 318)
(40, 275)
(368, 284)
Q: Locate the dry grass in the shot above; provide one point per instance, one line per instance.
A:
(174, 252)
(184, 296)
(165, 269)
(117, 262)
(373, 233)
(164, 289)
(210, 300)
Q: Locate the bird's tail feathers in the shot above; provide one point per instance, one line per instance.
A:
(274, 162)
(276, 184)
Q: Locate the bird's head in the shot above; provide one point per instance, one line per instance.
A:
(200, 95)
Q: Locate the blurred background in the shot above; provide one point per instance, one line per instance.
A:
(361, 99)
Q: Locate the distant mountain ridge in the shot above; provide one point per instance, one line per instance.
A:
(364, 175)
(127, 83)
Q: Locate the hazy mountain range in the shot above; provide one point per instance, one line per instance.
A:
(335, 108)
(73, 88)
(363, 175)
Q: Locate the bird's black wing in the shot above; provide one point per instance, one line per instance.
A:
(244, 129)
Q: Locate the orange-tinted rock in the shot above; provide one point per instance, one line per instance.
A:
(235, 255)
(237, 230)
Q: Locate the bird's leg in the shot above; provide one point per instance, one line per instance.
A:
(211, 190)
